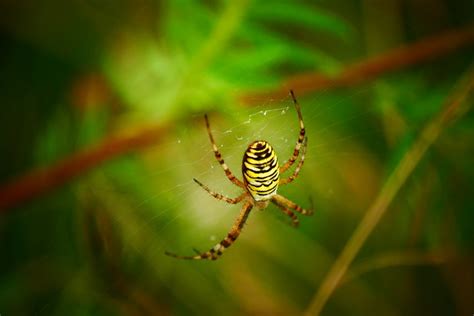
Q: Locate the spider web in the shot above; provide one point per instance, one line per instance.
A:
(184, 216)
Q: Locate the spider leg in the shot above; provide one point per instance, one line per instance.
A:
(220, 196)
(298, 167)
(216, 251)
(283, 202)
(219, 158)
(294, 219)
(301, 137)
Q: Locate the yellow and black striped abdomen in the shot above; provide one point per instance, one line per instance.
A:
(260, 170)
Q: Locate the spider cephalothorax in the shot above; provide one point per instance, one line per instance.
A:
(261, 178)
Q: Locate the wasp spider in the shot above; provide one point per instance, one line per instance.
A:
(261, 178)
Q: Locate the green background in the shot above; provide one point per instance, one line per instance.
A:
(77, 75)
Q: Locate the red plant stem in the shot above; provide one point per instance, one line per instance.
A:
(38, 182)
(422, 51)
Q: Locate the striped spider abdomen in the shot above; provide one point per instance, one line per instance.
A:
(260, 170)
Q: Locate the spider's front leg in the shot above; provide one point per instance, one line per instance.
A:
(216, 251)
(294, 219)
(283, 203)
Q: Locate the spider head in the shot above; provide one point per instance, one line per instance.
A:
(262, 204)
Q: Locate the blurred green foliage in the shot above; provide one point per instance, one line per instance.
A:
(74, 72)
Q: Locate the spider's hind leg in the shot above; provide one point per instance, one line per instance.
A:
(301, 137)
(219, 158)
(216, 251)
(298, 167)
(220, 196)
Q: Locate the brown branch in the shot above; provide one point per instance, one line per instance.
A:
(43, 180)
(422, 51)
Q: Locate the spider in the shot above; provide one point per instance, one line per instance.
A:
(261, 178)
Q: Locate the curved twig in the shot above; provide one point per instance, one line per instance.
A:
(452, 110)
(396, 259)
